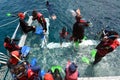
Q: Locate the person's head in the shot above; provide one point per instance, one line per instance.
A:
(34, 14)
(21, 15)
(57, 75)
(47, 3)
(7, 39)
(72, 67)
(78, 18)
(56, 71)
(63, 29)
(49, 71)
(48, 76)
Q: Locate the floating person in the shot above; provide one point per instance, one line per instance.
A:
(40, 18)
(71, 71)
(63, 35)
(50, 10)
(24, 26)
(108, 44)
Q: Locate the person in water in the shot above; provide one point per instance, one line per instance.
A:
(10, 44)
(51, 11)
(71, 71)
(63, 35)
(40, 18)
(24, 26)
(108, 44)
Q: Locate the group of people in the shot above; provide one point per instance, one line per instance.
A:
(108, 42)
(22, 70)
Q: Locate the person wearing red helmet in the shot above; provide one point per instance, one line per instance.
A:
(24, 26)
(108, 43)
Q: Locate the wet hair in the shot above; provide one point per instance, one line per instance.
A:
(57, 75)
(7, 39)
(34, 13)
(64, 29)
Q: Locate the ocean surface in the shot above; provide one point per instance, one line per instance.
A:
(102, 13)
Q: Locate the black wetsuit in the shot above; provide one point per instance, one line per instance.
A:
(104, 47)
(25, 28)
(78, 30)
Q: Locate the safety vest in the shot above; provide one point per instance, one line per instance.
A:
(82, 21)
(71, 76)
(63, 35)
(40, 18)
(11, 47)
(104, 51)
(39, 15)
(13, 60)
(48, 76)
(115, 44)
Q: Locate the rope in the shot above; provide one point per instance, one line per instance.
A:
(9, 23)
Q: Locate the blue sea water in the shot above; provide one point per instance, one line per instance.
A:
(101, 13)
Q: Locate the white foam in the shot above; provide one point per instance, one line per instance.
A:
(68, 44)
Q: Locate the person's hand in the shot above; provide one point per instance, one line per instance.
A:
(78, 12)
(105, 38)
(44, 32)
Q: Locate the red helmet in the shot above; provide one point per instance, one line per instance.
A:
(21, 15)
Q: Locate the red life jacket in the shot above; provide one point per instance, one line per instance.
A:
(63, 35)
(31, 75)
(48, 76)
(11, 47)
(13, 60)
(115, 44)
(71, 76)
(40, 17)
(82, 20)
